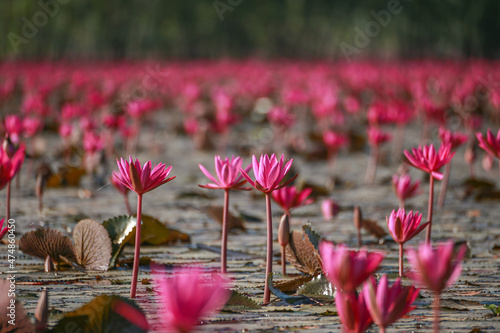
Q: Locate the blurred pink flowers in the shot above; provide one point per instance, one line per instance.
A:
(436, 268)
(353, 312)
(188, 296)
(228, 174)
(388, 304)
(329, 208)
(490, 144)
(427, 159)
(404, 188)
(4, 230)
(348, 269)
(289, 197)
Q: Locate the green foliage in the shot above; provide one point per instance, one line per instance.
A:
(292, 28)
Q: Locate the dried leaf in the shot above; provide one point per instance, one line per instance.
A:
(234, 222)
(374, 229)
(66, 176)
(313, 236)
(12, 311)
(239, 300)
(301, 253)
(154, 232)
(92, 245)
(291, 286)
(105, 314)
(43, 242)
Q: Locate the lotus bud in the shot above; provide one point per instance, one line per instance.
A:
(42, 311)
(48, 265)
(284, 230)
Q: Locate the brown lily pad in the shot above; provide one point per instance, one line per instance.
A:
(44, 242)
(92, 245)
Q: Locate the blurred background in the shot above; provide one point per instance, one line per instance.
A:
(115, 29)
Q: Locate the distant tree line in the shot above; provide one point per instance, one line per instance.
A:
(114, 29)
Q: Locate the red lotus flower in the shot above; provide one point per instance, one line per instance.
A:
(13, 127)
(4, 230)
(269, 172)
(188, 297)
(403, 226)
(353, 312)
(142, 179)
(404, 188)
(387, 304)
(280, 117)
(347, 269)
(490, 144)
(228, 174)
(289, 197)
(31, 126)
(437, 268)
(455, 139)
(426, 159)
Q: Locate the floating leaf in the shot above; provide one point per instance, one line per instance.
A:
(154, 232)
(92, 245)
(105, 314)
(373, 228)
(66, 176)
(234, 222)
(74, 264)
(291, 286)
(295, 300)
(301, 253)
(143, 261)
(318, 287)
(494, 308)
(239, 300)
(44, 242)
(22, 323)
(118, 229)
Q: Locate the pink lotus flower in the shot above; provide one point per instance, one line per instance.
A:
(490, 144)
(404, 188)
(376, 136)
(9, 166)
(65, 130)
(229, 177)
(280, 117)
(14, 127)
(347, 269)
(353, 312)
(289, 197)
(334, 141)
(438, 268)
(92, 142)
(228, 174)
(269, 172)
(142, 179)
(3, 231)
(426, 159)
(31, 126)
(455, 139)
(387, 304)
(329, 208)
(403, 226)
(188, 297)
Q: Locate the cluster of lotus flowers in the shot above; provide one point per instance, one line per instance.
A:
(96, 104)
